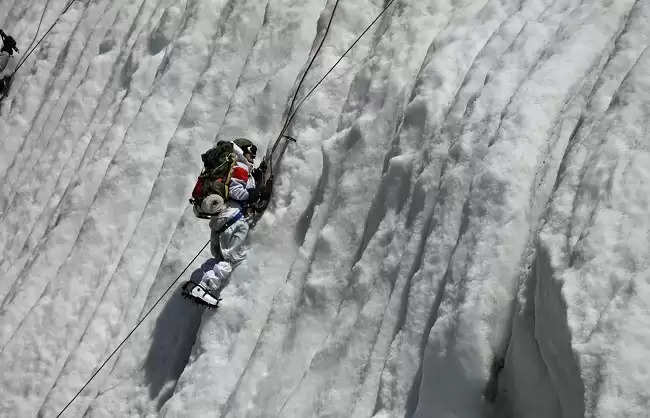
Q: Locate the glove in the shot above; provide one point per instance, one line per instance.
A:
(267, 189)
(252, 195)
(258, 173)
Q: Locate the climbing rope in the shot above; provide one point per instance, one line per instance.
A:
(281, 135)
(132, 331)
(290, 115)
(38, 28)
(30, 51)
(311, 62)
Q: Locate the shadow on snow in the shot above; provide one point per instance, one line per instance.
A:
(173, 337)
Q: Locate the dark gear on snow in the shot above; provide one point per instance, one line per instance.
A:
(8, 43)
(6, 52)
(5, 84)
(264, 189)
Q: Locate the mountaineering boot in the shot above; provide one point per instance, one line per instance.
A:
(200, 295)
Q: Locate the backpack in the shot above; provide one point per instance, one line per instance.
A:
(218, 163)
(8, 43)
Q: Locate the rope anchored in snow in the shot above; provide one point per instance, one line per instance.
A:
(30, 51)
(291, 113)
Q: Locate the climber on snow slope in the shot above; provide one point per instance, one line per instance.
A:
(229, 218)
(6, 53)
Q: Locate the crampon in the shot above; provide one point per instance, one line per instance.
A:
(199, 295)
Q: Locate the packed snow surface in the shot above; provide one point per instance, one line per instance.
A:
(461, 230)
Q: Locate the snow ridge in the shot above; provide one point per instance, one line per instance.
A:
(461, 229)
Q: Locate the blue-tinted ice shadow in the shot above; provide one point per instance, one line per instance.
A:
(173, 337)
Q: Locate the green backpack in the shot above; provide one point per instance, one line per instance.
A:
(215, 176)
(214, 179)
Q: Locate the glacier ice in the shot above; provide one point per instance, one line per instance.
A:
(461, 229)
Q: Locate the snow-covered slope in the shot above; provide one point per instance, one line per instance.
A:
(461, 229)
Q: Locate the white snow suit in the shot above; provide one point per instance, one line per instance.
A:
(227, 245)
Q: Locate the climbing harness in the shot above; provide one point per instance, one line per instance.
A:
(269, 173)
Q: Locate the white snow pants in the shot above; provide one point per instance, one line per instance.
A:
(229, 250)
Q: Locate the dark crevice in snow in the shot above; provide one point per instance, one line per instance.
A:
(392, 194)
(525, 373)
(186, 18)
(128, 70)
(494, 391)
(413, 396)
(304, 222)
(414, 392)
(506, 403)
(582, 89)
(554, 338)
(568, 151)
(162, 34)
(415, 267)
(417, 203)
(491, 388)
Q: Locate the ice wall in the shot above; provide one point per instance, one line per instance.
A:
(461, 229)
